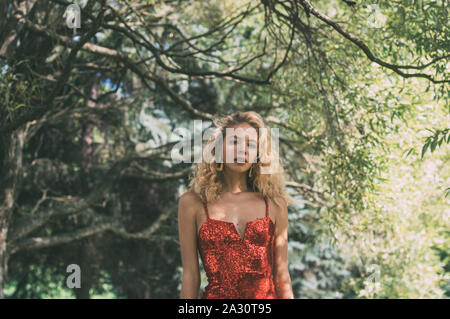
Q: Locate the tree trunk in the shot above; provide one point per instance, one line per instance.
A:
(3, 253)
(11, 148)
(87, 269)
(87, 251)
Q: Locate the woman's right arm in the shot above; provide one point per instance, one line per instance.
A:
(187, 231)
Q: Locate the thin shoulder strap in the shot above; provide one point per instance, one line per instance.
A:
(267, 206)
(206, 209)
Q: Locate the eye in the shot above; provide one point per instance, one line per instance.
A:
(236, 141)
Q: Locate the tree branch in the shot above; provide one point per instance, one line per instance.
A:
(102, 224)
(154, 176)
(96, 49)
(396, 68)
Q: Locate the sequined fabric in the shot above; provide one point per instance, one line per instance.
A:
(238, 268)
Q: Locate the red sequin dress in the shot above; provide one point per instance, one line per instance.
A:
(238, 268)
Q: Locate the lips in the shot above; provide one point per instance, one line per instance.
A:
(242, 161)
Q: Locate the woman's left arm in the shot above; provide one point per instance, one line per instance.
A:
(282, 278)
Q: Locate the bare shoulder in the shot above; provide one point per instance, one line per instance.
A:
(189, 202)
(279, 208)
(190, 197)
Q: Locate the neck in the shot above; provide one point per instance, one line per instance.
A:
(235, 182)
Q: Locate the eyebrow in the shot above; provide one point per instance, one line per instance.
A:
(250, 142)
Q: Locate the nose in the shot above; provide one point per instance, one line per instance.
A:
(242, 154)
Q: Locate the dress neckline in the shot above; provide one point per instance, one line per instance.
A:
(242, 239)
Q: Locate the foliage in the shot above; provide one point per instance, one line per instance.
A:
(353, 86)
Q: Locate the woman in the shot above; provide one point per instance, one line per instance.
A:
(236, 217)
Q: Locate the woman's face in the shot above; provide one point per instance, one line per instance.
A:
(242, 147)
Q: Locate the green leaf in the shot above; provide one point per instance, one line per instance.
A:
(409, 151)
(447, 191)
(433, 145)
(424, 149)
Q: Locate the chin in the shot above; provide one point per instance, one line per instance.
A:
(238, 168)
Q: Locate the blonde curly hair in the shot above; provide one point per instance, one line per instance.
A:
(208, 183)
